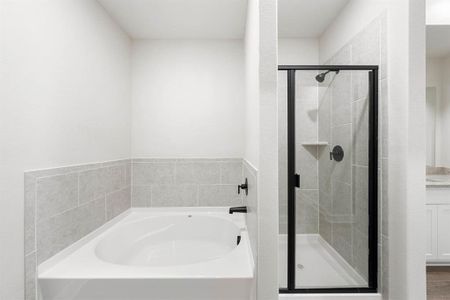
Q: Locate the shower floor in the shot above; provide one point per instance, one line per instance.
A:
(318, 264)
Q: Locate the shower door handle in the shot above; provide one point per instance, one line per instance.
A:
(297, 180)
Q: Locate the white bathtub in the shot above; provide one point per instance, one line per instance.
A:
(156, 253)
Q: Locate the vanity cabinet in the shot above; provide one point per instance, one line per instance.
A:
(438, 226)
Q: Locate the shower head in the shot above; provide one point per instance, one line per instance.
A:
(321, 76)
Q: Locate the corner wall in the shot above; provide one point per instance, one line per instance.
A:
(64, 100)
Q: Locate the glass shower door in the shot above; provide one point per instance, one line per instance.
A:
(330, 169)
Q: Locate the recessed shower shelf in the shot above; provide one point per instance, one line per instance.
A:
(320, 143)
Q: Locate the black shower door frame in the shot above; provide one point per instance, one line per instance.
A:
(294, 181)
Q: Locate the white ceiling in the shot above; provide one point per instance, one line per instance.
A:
(306, 18)
(172, 19)
(438, 41)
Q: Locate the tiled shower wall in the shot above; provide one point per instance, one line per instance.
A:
(63, 205)
(343, 120)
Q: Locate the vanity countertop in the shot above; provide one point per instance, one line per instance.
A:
(438, 180)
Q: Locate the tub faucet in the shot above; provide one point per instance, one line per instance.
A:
(238, 209)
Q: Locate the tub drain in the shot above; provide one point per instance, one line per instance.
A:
(300, 266)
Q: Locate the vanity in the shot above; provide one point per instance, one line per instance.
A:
(438, 219)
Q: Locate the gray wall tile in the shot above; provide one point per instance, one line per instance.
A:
(325, 170)
(91, 185)
(307, 166)
(174, 195)
(366, 45)
(153, 173)
(360, 197)
(349, 235)
(307, 211)
(56, 194)
(114, 178)
(231, 172)
(192, 180)
(325, 114)
(306, 115)
(325, 228)
(361, 252)
(29, 213)
(365, 50)
(360, 127)
(141, 196)
(360, 85)
(197, 172)
(325, 202)
(128, 174)
(343, 56)
(342, 198)
(117, 202)
(342, 135)
(342, 241)
(60, 231)
(341, 99)
(30, 276)
(70, 203)
(219, 195)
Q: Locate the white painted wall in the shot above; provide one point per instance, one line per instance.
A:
(251, 152)
(437, 12)
(188, 98)
(298, 51)
(406, 144)
(64, 100)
